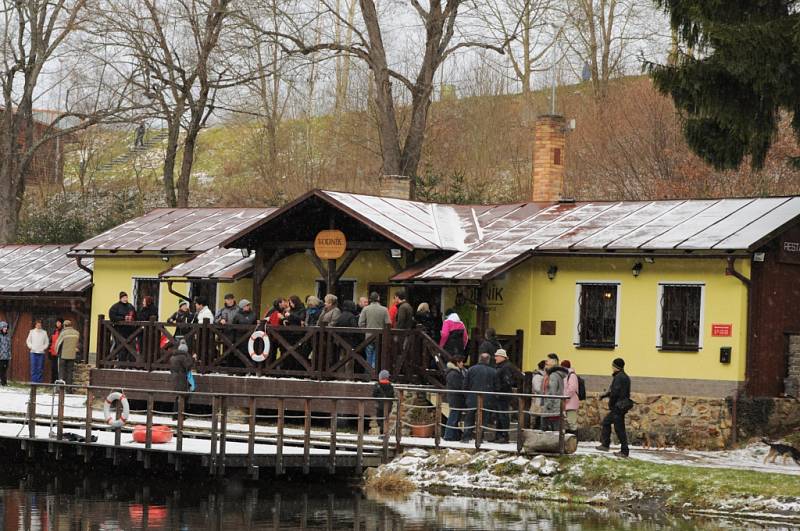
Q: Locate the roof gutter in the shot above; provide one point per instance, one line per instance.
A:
(83, 267)
(730, 270)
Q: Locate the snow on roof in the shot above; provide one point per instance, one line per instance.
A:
(41, 269)
(191, 230)
(721, 225)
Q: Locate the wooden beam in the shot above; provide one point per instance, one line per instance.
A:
(262, 266)
(361, 246)
(317, 263)
(348, 260)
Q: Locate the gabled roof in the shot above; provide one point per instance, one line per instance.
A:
(714, 226)
(217, 264)
(186, 230)
(41, 269)
(409, 224)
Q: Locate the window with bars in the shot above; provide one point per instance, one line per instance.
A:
(681, 317)
(597, 325)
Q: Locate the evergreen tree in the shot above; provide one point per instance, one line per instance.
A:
(741, 73)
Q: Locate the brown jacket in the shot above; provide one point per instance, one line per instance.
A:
(67, 345)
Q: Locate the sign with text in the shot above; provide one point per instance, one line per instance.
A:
(721, 330)
(330, 244)
(790, 251)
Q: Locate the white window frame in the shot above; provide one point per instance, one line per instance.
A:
(320, 280)
(135, 302)
(576, 336)
(660, 313)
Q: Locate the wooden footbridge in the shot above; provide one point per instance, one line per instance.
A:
(271, 432)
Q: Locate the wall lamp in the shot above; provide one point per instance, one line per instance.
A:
(396, 253)
(551, 272)
(245, 252)
(637, 269)
(165, 258)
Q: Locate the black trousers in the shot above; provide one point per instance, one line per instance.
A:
(3, 372)
(502, 403)
(617, 418)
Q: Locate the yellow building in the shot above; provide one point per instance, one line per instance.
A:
(684, 291)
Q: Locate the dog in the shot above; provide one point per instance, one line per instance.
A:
(781, 450)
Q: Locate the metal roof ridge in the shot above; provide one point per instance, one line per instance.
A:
(435, 220)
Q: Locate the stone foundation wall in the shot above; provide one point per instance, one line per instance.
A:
(792, 382)
(694, 422)
(661, 420)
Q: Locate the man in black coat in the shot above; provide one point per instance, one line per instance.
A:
(507, 377)
(480, 377)
(619, 403)
(123, 311)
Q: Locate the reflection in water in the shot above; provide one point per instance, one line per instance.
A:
(47, 501)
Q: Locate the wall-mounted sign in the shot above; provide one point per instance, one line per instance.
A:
(790, 251)
(721, 330)
(330, 244)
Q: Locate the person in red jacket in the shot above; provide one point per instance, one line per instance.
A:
(53, 353)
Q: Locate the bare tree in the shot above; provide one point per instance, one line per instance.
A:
(525, 26)
(600, 35)
(35, 34)
(172, 46)
(440, 37)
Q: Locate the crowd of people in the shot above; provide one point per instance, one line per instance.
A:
(59, 347)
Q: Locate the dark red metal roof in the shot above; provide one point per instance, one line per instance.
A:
(189, 230)
(41, 269)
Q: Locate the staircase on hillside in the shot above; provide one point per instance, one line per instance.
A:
(135, 151)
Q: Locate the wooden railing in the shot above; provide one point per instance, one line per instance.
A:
(323, 353)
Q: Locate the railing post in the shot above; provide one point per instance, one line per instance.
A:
(101, 342)
(60, 427)
(360, 444)
(479, 422)
(251, 435)
(561, 426)
(398, 431)
(32, 413)
(223, 434)
(387, 410)
(212, 460)
(88, 425)
(279, 442)
(148, 440)
(179, 435)
(385, 353)
(334, 423)
(520, 422)
(307, 436)
(437, 427)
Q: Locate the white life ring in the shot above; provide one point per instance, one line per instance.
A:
(109, 416)
(251, 346)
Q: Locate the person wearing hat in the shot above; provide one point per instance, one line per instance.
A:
(180, 363)
(123, 311)
(507, 376)
(383, 389)
(619, 403)
(226, 314)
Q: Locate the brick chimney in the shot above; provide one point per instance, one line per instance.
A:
(395, 186)
(547, 174)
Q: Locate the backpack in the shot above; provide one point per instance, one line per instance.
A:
(581, 387)
(190, 380)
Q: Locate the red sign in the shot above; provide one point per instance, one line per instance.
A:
(721, 330)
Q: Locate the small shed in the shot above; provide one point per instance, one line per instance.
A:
(41, 282)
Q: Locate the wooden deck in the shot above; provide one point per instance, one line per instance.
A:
(47, 418)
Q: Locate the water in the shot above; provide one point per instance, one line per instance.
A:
(47, 500)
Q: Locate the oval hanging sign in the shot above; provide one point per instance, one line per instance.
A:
(330, 244)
